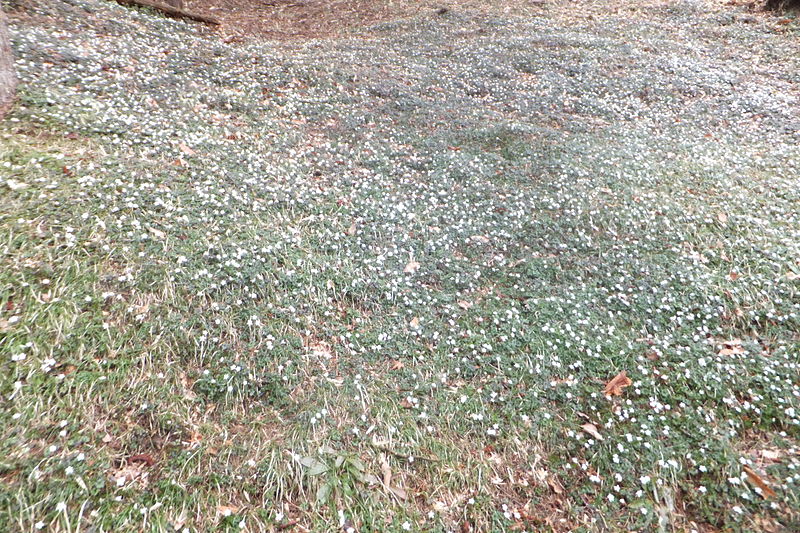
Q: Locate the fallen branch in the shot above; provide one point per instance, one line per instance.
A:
(170, 11)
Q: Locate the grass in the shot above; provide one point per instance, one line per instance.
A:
(237, 293)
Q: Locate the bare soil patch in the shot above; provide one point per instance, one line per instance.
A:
(303, 19)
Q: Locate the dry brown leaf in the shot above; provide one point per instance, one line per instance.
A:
(227, 510)
(352, 229)
(555, 485)
(396, 365)
(756, 480)
(791, 276)
(194, 440)
(411, 267)
(405, 404)
(185, 149)
(414, 322)
(400, 493)
(463, 304)
(732, 347)
(615, 386)
(157, 232)
(386, 470)
(145, 458)
(128, 474)
(733, 276)
(722, 217)
(591, 429)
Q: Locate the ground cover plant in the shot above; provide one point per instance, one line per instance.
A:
(460, 271)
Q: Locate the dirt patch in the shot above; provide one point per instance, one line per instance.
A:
(299, 19)
(304, 19)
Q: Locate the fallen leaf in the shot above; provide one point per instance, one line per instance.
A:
(142, 458)
(463, 304)
(615, 386)
(194, 439)
(414, 322)
(731, 347)
(411, 267)
(128, 473)
(157, 232)
(791, 276)
(185, 149)
(756, 480)
(733, 276)
(439, 507)
(386, 470)
(396, 365)
(722, 217)
(555, 485)
(227, 510)
(405, 404)
(400, 493)
(352, 229)
(591, 429)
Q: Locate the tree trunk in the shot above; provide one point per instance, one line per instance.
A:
(8, 79)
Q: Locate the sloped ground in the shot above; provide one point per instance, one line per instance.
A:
(380, 283)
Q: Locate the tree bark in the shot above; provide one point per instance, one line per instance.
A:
(8, 77)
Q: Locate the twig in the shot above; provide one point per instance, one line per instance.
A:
(171, 11)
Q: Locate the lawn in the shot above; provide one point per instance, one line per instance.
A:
(479, 270)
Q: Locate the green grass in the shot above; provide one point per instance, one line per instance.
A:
(211, 317)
